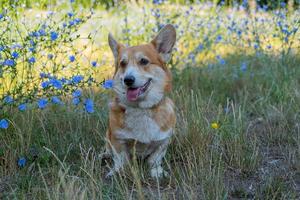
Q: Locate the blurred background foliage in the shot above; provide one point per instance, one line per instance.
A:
(44, 4)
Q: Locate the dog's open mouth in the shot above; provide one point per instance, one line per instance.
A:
(133, 93)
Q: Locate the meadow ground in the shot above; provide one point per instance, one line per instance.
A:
(237, 135)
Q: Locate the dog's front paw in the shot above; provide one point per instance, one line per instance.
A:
(158, 172)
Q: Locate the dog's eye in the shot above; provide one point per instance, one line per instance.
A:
(144, 61)
(123, 63)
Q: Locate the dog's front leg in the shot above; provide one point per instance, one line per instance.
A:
(155, 159)
(120, 157)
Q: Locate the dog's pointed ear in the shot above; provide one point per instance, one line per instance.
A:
(114, 46)
(165, 41)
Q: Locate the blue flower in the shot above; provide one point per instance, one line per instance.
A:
(77, 20)
(31, 49)
(108, 84)
(243, 67)
(76, 101)
(2, 48)
(22, 162)
(31, 60)
(219, 38)
(42, 103)
(71, 23)
(89, 105)
(70, 14)
(15, 55)
(8, 99)
(3, 124)
(43, 75)
(94, 63)
(42, 32)
(56, 83)
(56, 100)
(22, 107)
(200, 47)
(72, 1)
(45, 84)
(76, 93)
(1, 16)
(77, 79)
(221, 60)
(50, 56)
(72, 58)
(9, 62)
(53, 35)
(269, 47)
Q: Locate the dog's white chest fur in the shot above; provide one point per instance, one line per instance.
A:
(140, 126)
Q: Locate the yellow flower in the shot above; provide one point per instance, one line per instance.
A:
(215, 125)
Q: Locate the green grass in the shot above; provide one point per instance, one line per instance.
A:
(254, 153)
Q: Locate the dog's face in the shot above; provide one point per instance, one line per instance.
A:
(141, 76)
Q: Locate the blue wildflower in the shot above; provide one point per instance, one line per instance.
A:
(53, 35)
(56, 100)
(31, 49)
(108, 84)
(219, 38)
(76, 101)
(42, 103)
(94, 63)
(2, 48)
(70, 14)
(200, 47)
(45, 84)
(64, 25)
(72, 1)
(43, 75)
(77, 79)
(71, 23)
(32, 43)
(89, 105)
(31, 60)
(22, 162)
(221, 60)
(77, 20)
(15, 55)
(4, 124)
(9, 62)
(56, 83)
(22, 107)
(50, 56)
(72, 58)
(8, 99)
(76, 93)
(243, 67)
(269, 47)
(1, 16)
(42, 32)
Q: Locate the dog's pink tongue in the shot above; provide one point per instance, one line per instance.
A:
(132, 94)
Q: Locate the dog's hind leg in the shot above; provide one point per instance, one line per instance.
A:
(155, 159)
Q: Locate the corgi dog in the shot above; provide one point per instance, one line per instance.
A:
(141, 117)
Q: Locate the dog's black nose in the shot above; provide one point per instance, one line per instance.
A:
(129, 80)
